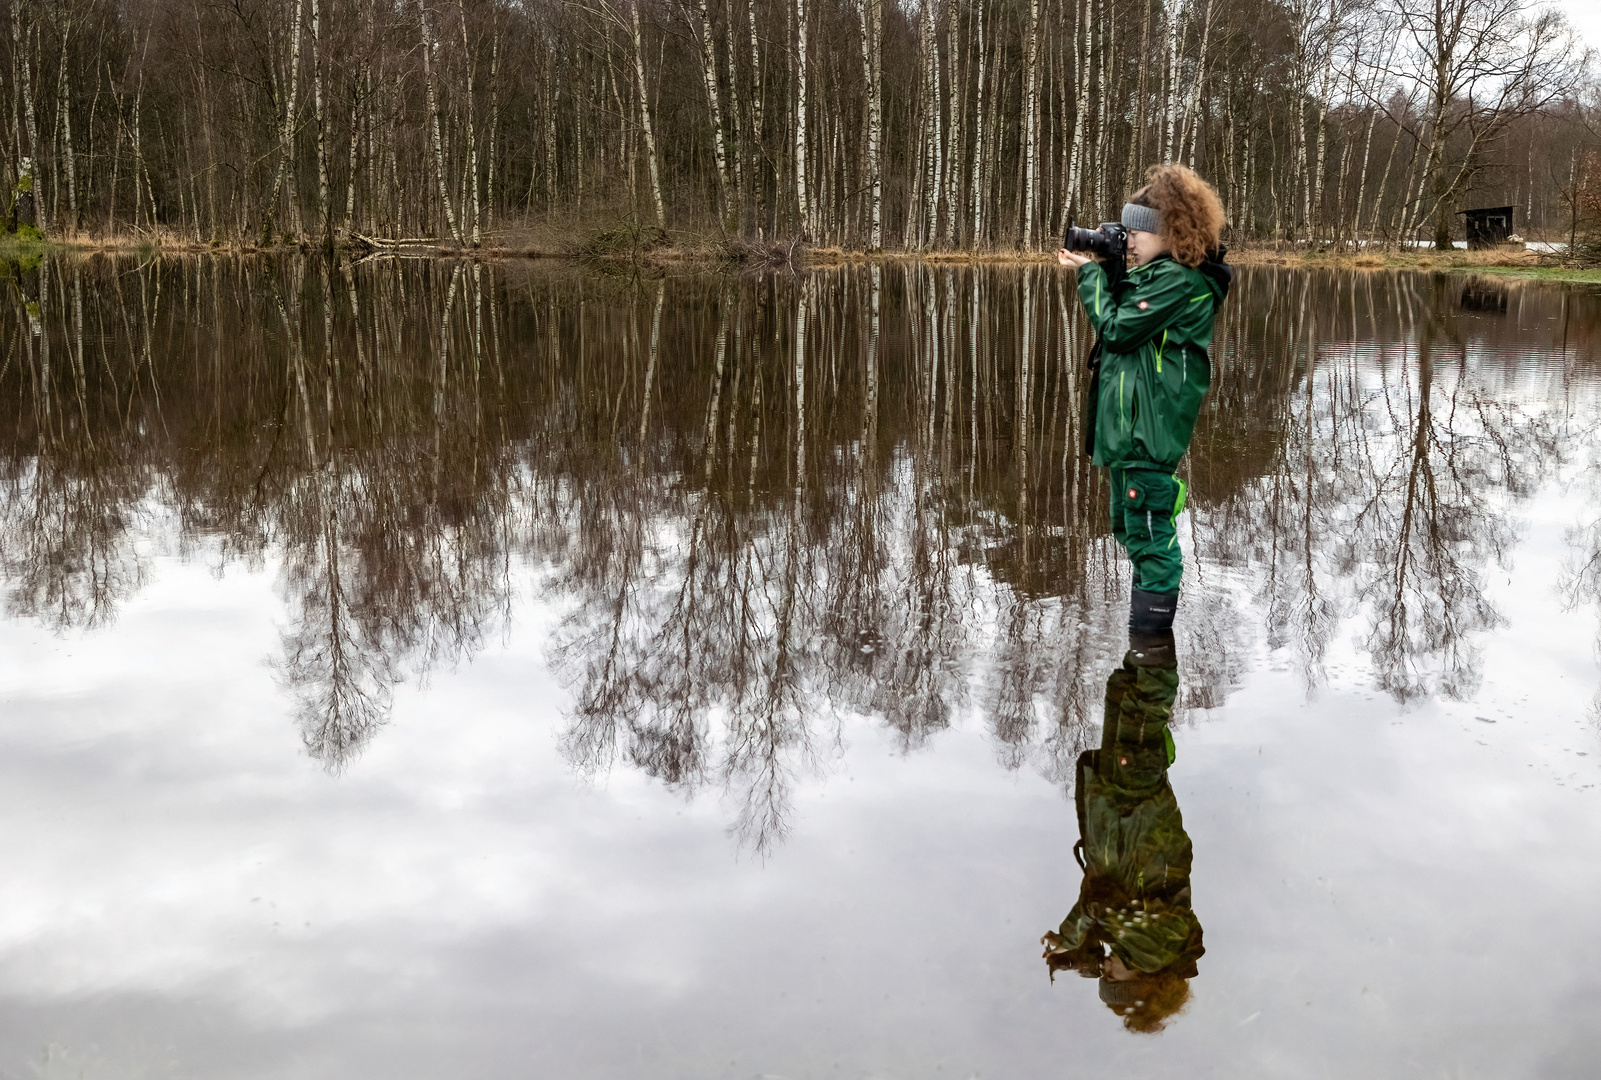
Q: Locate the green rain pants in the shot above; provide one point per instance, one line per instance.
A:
(1146, 504)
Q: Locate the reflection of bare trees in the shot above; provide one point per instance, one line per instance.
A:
(67, 554)
(874, 521)
(761, 507)
(1392, 456)
(286, 409)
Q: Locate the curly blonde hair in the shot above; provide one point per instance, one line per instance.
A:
(1162, 997)
(1192, 214)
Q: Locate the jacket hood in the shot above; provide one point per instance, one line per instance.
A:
(1217, 271)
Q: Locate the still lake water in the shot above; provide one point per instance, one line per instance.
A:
(416, 670)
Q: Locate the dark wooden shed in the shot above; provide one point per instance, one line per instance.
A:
(1488, 226)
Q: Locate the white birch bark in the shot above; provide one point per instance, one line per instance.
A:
(1302, 87)
(644, 114)
(737, 115)
(494, 126)
(1081, 81)
(40, 206)
(1142, 101)
(978, 131)
(708, 60)
(471, 165)
(1320, 166)
(758, 119)
(802, 200)
(355, 148)
(1171, 23)
(1378, 194)
(550, 136)
(1191, 114)
(1103, 125)
(958, 78)
(932, 149)
(1031, 121)
(871, 14)
(430, 49)
(64, 111)
(286, 131)
(320, 117)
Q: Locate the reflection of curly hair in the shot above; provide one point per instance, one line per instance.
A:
(1162, 996)
(1192, 214)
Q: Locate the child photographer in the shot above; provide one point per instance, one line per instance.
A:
(1153, 324)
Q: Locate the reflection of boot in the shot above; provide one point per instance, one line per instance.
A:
(1151, 612)
(1151, 650)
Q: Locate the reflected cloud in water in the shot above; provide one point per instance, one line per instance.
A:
(764, 507)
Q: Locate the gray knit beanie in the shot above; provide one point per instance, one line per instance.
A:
(1143, 218)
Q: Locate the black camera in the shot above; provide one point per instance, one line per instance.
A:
(1110, 241)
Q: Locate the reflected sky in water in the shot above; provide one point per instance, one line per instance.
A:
(424, 668)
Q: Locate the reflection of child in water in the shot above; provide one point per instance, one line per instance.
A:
(1133, 926)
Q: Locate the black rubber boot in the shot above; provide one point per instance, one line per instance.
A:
(1151, 612)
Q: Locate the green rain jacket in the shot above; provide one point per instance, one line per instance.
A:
(1135, 896)
(1155, 327)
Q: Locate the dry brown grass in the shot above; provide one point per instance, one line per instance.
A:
(163, 238)
(1410, 259)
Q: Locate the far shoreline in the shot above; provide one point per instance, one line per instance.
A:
(689, 251)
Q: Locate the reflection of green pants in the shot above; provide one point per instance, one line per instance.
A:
(1145, 506)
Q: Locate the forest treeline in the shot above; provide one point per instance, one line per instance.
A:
(930, 124)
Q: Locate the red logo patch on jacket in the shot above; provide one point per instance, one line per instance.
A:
(1143, 305)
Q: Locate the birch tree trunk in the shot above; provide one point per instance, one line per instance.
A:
(1434, 169)
(286, 131)
(20, 42)
(64, 113)
(360, 100)
(1075, 157)
(978, 131)
(494, 126)
(1320, 166)
(1384, 181)
(1303, 83)
(471, 65)
(1171, 22)
(758, 119)
(708, 57)
(802, 202)
(956, 80)
(933, 137)
(430, 50)
(1031, 121)
(1141, 97)
(1191, 114)
(550, 136)
(871, 13)
(324, 224)
(737, 115)
(644, 115)
(1107, 25)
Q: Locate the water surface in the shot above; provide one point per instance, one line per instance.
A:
(419, 669)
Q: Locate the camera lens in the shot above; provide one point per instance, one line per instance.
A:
(1091, 240)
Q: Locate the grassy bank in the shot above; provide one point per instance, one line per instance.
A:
(631, 244)
(1545, 273)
